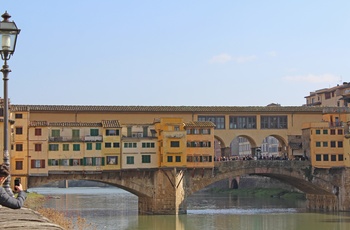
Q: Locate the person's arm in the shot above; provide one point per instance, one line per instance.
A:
(12, 202)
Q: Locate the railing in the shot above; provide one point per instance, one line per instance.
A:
(76, 139)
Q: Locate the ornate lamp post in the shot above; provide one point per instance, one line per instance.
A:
(8, 33)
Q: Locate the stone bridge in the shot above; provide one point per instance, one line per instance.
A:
(164, 190)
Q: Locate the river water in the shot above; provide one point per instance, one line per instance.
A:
(113, 208)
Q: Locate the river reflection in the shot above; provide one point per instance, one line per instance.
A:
(112, 208)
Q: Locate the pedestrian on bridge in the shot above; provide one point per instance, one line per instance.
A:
(6, 199)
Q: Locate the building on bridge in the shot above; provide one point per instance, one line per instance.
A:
(41, 148)
(326, 142)
(40, 129)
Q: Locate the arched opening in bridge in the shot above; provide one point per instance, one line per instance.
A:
(219, 148)
(271, 147)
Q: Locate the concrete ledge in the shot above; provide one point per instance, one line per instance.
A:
(24, 218)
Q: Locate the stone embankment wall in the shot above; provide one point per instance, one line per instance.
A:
(25, 218)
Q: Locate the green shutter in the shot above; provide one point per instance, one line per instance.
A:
(70, 162)
(94, 161)
(103, 161)
(49, 162)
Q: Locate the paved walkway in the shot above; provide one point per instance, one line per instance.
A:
(24, 218)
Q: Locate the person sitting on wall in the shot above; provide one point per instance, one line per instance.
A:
(6, 199)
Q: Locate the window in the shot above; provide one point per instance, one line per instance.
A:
(65, 147)
(88, 146)
(205, 131)
(76, 162)
(340, 157)
(325, 144)
(88, 161)
(65, 162)
(333, 157)
(340, 144)
(145, 131)
(19, 147)
(129, 131)
(37, 163)
(332, 132)
(318, 131)
(55, 133)
(174, 144)
(178, 158)
(146, 159)
(340, 132)
(112, 160)
(273, 122)
(130, 145)
(19, 165)
(219, 121)
(53, 147)
(75, 134)
(112, 132)
(170, 158)
(325, 157)
(176, 128)
(318, 157)
(147, 145)
(99, 161)
(76, 147)
(325, 131)
(333, 144)
(318, 144)
(19, 130)
(37, 147)
(37, 132)
(52, 162)
(242, 122)
(108, 145)
(98, 146)
(18, 115)
(116, 145)
(93, 132)
(130, 160)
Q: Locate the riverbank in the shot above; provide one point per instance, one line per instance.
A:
(35, 201)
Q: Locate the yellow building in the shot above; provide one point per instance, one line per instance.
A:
(324, 142)
(171, 142)
(139, 146)
(200, 144)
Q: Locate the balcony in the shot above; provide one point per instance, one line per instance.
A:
(93, 138)
(87, 138)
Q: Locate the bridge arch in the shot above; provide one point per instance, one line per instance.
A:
(321, 194)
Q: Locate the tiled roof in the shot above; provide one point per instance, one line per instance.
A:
(199, 124)
(110, 124)
(65, 124)
(173, 109)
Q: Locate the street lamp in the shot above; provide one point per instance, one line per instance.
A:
(8, 33)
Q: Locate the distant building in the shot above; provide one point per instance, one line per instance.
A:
(338, 96)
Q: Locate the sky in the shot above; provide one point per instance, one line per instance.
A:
(177, 53)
